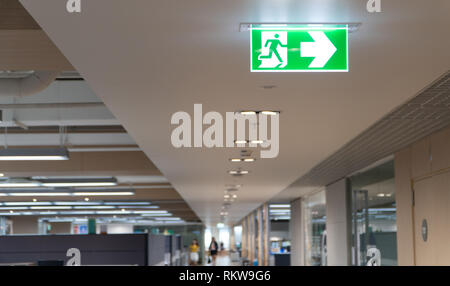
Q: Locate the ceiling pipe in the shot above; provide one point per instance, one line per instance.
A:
(36, 82)
(51, 105)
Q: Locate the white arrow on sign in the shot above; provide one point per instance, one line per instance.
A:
(322, 49)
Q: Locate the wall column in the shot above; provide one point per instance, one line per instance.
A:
(244, 241)
(260, 238)
(338, 225)
(297, 236)
(266, 233)
(251, 237)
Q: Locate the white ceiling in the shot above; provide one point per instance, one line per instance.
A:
(149, 59)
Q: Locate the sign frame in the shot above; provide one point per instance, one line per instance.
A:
(300, 27)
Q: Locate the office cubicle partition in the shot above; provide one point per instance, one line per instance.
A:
(168, 247)
(156, 249)
(113, 249)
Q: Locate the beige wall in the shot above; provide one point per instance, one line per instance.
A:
(24, 224)
(420, 162)
(60, 228)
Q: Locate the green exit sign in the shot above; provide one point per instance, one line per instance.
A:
(299, 48)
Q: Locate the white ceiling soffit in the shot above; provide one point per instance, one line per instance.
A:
(426, 113)
(149, 59)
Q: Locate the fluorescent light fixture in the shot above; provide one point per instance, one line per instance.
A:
(167, 218)
(34, 154)
(72, 182)
(63, 194)
(113, 212)
(280, 211)
(48, 213)
(51, 208)
(156, 215)
(88, 194)
(280, 206)
(94, 207)
(8, 214)
(26, 203)
(282, 218)
(19, 184)
(77, 213)
(249, 160)
(240, 141)
(13, 208)
(79, 184)
(127, 203)
(256, 141)
(37, 194)
(138, 207)
(150, 212)
(236, 160)
(220, 225)
(76, 203)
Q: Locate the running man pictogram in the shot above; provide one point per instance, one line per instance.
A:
(274, 43)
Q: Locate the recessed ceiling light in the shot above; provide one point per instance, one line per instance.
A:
(242, 160)
(269, 112)
(86, 199)
(2, 175)
(248, 112)
(238, 172)
(380, 195)
(34, 200)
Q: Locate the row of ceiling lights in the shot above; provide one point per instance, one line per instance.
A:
(230, 196)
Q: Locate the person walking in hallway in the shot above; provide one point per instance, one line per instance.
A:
(194, 249)
(213, 248)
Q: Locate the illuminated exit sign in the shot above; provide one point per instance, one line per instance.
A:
(299, 48)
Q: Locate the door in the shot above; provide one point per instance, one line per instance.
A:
(432, 220)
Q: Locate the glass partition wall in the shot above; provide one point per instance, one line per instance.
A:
(374, 227)
(315, 229)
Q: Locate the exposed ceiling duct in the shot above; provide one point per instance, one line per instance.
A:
(31, 84)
